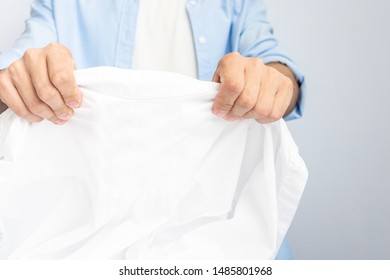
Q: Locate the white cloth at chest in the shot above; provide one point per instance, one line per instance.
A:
(144, 170)
(164, 39)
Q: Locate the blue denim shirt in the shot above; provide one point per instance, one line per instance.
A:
(102, 33)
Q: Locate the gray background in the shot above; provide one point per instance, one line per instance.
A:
(343, 47)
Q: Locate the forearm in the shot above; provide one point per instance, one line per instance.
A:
(288, 73)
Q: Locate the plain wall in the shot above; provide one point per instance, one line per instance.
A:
(12, 16)
(343, 48)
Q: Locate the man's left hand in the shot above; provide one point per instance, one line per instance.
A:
(252, 90)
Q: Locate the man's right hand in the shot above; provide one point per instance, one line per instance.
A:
(41, 85)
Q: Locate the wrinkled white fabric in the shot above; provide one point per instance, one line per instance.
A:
(144, 170)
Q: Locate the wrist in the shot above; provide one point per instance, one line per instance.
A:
(3, 107)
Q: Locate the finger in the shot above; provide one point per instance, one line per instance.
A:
(248, 98)
(282, 101)
(21, 80)
(216, 78)
(232, 79)
(265, 101)
(61, 67)
(36, 65)
(10, 96)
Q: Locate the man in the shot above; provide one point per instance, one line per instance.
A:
(228, 41)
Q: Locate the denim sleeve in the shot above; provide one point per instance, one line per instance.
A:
(40, 31)
(256, 39)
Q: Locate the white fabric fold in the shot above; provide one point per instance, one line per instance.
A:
(144, 170)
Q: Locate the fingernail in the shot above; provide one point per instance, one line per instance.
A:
(220, 114)
(230, 118)
(59, 122)
(73, 104)
(64, 116)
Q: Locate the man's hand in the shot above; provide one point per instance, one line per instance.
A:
(252, 90)
(41, 85)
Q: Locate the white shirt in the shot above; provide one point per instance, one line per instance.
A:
(144, 170)
(164, 38)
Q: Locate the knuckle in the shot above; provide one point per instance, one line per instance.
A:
(56, 48)
(53, 46)
(234, 55)
(61, 78)
(30, 55)
(262, 112)
(228, 57)
(53, 118)
(257, 63)
(226, 107)
(222, 63)
(23, 113)
(246, 102)
(222, 105)
(37, 107)
(234, 86)
(276, 115)
(13, 69)
(63, 111)
(45, 93)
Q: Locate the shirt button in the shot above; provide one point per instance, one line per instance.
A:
(193, 2)
(202, 40)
